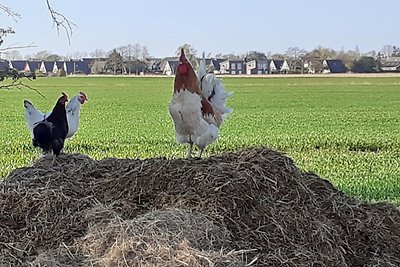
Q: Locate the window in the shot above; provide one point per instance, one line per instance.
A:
(262, 66)
(233, 66)
(239, 66)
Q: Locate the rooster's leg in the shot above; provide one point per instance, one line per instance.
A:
(189, 155)
(200, 153)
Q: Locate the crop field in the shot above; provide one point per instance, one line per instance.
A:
(345, 129)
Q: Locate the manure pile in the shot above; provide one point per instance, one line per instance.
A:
(248, 208)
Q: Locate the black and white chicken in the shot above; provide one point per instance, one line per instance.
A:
(50, 133)
(33, 115)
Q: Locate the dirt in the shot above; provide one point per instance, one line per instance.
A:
(252, 207)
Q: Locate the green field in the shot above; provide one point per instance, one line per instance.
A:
(345, 129)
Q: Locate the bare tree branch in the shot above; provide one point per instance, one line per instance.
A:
(16, 81)
(61, 21)
(20, 85)
(14, 46)
(10, 12)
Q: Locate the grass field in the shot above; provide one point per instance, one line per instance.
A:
(344, 129)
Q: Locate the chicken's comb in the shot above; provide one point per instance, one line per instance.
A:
(84, 95)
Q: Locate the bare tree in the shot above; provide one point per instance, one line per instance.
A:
(136, 50)
(144, 54)
(387, 50)
(295, 59)
(295, 52)
(98, 53)
(41, 55)
(76, 55)
(12, 55)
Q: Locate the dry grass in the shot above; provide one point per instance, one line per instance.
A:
(249, 208)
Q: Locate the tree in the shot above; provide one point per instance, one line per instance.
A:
(76, 55)
(295, 53)
(278, 56)
(12, 55)
(227, 56)
(323, 53)
(387, 50)
(365, 65)
(295, 59)
(256, 55)
(98, 53)
(136, 51)
(348, 57)
(144, 55)
(114, 62)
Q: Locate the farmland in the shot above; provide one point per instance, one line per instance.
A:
(344, 129)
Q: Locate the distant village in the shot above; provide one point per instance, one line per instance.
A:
(167, 66)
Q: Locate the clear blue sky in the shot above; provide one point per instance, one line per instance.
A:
(209, 25)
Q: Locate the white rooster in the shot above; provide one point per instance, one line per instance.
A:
(33, 115)
(197, 107)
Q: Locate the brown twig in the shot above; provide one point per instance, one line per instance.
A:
(10, 12)
(61, 21)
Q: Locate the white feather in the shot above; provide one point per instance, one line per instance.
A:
(32, 115)
(190, 126)
(213, 89)
(73, 110)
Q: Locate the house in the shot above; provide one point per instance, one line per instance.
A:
(76, 67)
(58, 65)
(19, 65)
(233, 67)
(4, 65)
(154, 65)
(257, 67)
(390, 64)
(169, 67)
(279, 66)
(313, 65)
(333, 66)
(47, 67)
(32, 66)
(91, 60)
(214, 65)
(96, 64)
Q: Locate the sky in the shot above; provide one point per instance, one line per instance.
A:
(209, 25)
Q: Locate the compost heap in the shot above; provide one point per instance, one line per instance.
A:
(248, 208)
